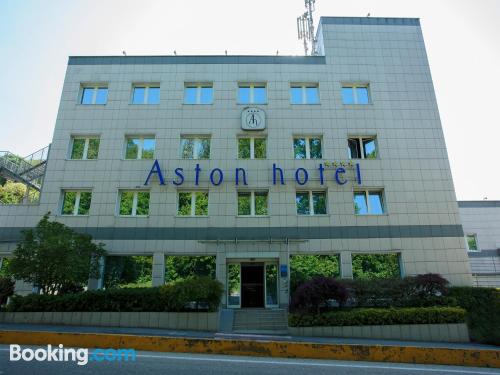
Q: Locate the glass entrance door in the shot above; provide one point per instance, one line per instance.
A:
(271, 273)
(234, 285)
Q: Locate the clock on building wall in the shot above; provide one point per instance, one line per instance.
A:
(253, 119)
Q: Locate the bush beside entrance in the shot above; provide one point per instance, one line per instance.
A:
(194, 294)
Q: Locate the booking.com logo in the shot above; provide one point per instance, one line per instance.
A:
(61, 354)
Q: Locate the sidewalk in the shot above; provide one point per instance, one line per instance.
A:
(160, 340)
(231, 336)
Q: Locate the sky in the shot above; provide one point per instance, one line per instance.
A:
(462, 38)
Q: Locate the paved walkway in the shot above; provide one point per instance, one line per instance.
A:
(213, 335)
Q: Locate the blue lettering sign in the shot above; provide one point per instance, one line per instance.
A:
(306, 176)
(221, 176)
(155, 169)
(340, 179)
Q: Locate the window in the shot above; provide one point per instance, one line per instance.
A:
(471, 240)
(192, 203)
(251, 148)
(94, 95)
(76, 203)
(307, 148)
(310, 202)
(134, 203)
(376, 266)
(143, 94)
(139, 147)
(304, 94)
(252, 93)
(355, 94)
(195, 147)
(252, 203)
(368, 202)
(362, 148)
(84, 148)
(198, 93)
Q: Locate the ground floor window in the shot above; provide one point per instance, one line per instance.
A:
(183, 267)
(306, 267)
(128, 271)
(376, 266)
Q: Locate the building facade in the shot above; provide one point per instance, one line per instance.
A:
(481, 223)
(253, 159)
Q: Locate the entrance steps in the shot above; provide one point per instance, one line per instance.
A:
(260, 321)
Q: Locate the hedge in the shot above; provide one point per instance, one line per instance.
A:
(377, 316)
(185, 295)
(483, 312)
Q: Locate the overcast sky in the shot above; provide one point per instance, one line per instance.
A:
(462, 39)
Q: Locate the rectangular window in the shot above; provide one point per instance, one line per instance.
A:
(84, 148)
(252, 93)
(139, 147)
(192, 203)
(76, 203)
(252, 203)
(94, 94)
(193, 147)
(355, 94)
(362, 147)
(368, 202)
(251, 148)
(134, 203)
(376, 266)
(307, 148)
(310, 202)
(304, 94)
(198, 93)
(471, 240)
(144, 94)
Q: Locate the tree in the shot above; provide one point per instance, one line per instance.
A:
(375, 266)
(306, 267)
(14, 192)
(55, 258)
(183, 267)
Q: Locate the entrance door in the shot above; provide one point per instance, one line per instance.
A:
(252, 285)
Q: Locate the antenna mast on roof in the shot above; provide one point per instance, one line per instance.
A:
(305, 27)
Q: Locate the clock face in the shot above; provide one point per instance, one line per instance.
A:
(253, 120)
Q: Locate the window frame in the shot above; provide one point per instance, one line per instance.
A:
(198, 87)
(77, 201)
(85, 146)
(311, 202)
(368, 204)
(252, 147)
(360, 139)
(304, 87)
(252, 202)
(134, 201)
(475, 240)
(146, 87)
(193, 202)
(307, 139)
(95, 88)
(140, 146)
(251, 86)
(353, 87)
(195, 138)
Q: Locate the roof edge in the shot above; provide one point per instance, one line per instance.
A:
(382, 21)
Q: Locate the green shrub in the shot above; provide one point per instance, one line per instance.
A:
(375, 316)
(186, 295)
(483, 312)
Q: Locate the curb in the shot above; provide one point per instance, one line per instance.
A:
(346, 352)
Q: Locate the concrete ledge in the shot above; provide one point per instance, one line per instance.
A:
(378, 353)
(195, 321)
(411, 332)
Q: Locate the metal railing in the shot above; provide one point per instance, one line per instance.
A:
(29, 170)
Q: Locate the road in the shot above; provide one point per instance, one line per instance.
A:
(180, 364)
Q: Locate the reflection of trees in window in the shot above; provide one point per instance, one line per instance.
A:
(134, 203)
(299, 148)
(244, 201)
(305, 267)
(76, 202)
(195, 148)
(302, 202)
(184, 207)
(85, 148)
(375, 266)
(192, 204)
(128, 271)
(315, 148)
(307, 148)
(201, 204)
(182, 267)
